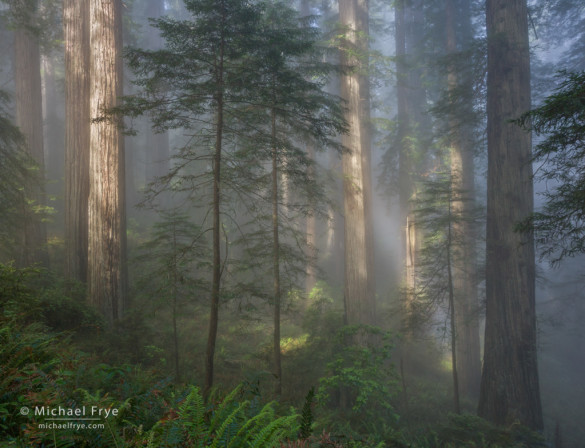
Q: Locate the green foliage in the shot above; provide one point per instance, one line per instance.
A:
(474, 432)
(17, 302)
(41, 368)
(15, 170)
(307, 415)
(361, 383)
(229, 423)
(169, 270)
(560, 225)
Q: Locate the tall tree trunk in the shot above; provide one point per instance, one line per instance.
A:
(356, 166)
(175, 296)
(216, 213)
(462, 242)
(52, 126)
(453, 313)
(77, 141)
(157, 155)
(276, 260)
(509, 384)
(29, 118)
(107, 217)
(311, 223)
(410, 98)
(311, 231)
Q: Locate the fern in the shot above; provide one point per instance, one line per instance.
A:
(274, 432)
(227, 423)
(249, 428)
(224, 407)
(192, 414)
(231, 425)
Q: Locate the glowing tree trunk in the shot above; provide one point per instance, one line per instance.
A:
(107, 226)
(466, 304)
(77, 128)
(357, 183)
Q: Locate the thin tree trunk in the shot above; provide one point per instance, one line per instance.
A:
(77, 141)
(453, 313)
(29, 118)
(311, 231)
(158, 149)
(216, 266)
(509, 384)
(356, 166)
(52, 126)
(311, 223)
(174, 298)
(276, 260)
(107, 220)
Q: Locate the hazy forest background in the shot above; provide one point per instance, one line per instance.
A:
(306, 224)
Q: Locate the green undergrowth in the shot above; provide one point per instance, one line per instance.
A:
(56, 353)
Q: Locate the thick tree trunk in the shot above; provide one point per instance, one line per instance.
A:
(77, 141)
(409, 94)
(356, 166)
(29, 118)
(462, 242)
(509, 384)
(107, 226)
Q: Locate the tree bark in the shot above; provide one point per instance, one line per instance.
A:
(410, 98)
(462, 242)
(311, 231)
(216, 213)
(77, 141)
(509, 384)
(29, 118)
(107, 217)
(356, 167)
(276, 260)
(311, 223)
(453, 312)
(158, 151)
(53, 131)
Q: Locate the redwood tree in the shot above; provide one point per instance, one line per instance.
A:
(107, 226)
(460, 113)
(356, 165)
(77, 127)
(509, 383)
(29, 118)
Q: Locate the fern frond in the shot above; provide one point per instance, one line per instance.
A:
(227, 422)
(223, 408)
(192, 416)
(251, 426)
(273, 433)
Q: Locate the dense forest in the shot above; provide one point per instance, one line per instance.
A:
(261, 223)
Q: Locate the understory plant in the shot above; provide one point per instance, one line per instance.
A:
(356, 395)
(232, 422)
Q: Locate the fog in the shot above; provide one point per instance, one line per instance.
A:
(187, 226)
